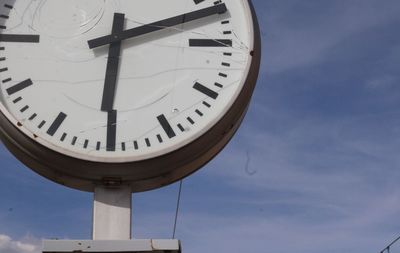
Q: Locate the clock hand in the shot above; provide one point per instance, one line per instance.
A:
(156, 26)
(111, 130)
(114, 52)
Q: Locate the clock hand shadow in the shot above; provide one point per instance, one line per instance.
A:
(169, 31)
(101, 51)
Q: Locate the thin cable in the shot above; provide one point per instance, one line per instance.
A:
(390, 245)
(177, 208)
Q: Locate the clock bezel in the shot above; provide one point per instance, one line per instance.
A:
(141, 175)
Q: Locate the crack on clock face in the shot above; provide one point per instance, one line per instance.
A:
(91, 81)
(148, 102)
(240, 42)
(77, 17)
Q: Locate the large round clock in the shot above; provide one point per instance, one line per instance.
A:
(112, 92)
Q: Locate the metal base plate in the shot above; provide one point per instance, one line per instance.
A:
(110, 246)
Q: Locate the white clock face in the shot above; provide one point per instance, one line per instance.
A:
(149, 89)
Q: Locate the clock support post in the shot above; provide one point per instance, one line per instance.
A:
(112, 212)
(112, 219)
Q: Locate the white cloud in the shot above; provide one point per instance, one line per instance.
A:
(27, 245)
(383, 82)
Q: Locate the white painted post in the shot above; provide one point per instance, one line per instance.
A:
(112, 212)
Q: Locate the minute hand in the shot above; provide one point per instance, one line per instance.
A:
(156, 26)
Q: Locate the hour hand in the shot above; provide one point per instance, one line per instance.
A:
(110, 82)
(159, 25)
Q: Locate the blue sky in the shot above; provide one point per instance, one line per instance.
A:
(314, 168)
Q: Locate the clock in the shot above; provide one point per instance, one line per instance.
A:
(110, 92)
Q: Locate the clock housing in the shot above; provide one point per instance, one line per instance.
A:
(170, 153)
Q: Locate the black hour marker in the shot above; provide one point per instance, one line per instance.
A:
(111, 130)
(227, 32)
(18, 87)
(7, 80)
(209, 43)
(98, 145)
(24, 38)
(8, 6)
(166, 126)
(135, 144)
(227, 54)
(223, 75)
(198, 1)
(225, 22)
(225, 64)
(123, 146)
(56, 124)
(206, 91)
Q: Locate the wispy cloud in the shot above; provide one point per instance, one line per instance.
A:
(319, 185)
(27, 245)
(298, 33)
